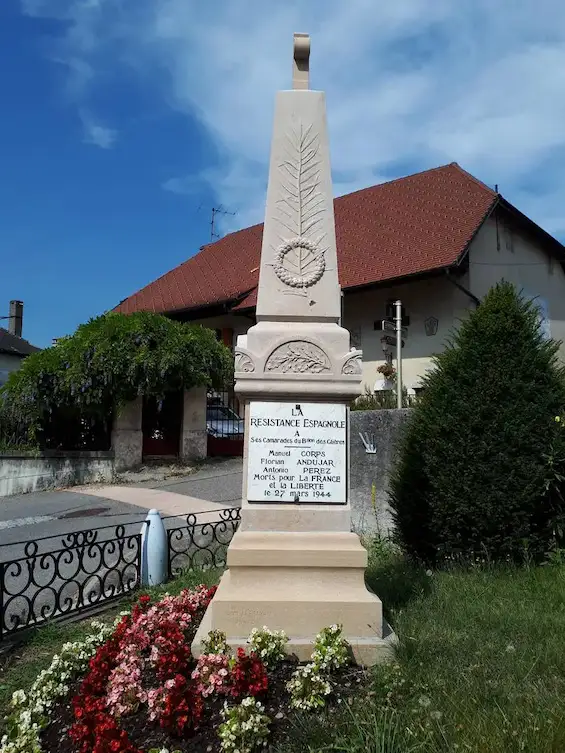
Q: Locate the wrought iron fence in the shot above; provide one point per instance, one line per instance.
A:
(202, 544)
(58, 576)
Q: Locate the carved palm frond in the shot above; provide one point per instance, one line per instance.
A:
(300, 209)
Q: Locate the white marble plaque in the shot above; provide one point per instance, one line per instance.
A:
(297, 453)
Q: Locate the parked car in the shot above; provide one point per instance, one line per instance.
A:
(222, 421)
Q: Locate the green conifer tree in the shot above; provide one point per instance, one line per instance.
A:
(473, 477)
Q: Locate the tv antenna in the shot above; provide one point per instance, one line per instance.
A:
(217, 210)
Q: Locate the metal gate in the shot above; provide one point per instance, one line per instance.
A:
(224, 423)
(161, 423)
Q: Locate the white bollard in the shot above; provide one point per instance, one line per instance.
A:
(154, 554)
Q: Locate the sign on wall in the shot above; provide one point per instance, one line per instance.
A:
(297, 453)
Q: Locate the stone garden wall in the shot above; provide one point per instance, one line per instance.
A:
(383, 428)
(20, 474)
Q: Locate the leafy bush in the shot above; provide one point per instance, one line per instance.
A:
(471, 480)
(15, 435)
(85, 378)
(215, 643)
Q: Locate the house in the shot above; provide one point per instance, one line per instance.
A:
(436, 240)
(13, 348)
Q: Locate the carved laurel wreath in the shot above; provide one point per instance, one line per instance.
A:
(313, 259)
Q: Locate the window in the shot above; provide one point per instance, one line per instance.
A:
(3, 376)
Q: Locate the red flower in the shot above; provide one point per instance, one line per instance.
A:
(183, 707)
(249, 676)
(154, 634)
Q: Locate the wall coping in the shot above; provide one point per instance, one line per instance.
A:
(380, 410)
(59, 455)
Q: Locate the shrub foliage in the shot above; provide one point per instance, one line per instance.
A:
(472, 475)
(108, 362)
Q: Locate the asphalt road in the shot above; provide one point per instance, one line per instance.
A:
(48, 538)
(218, 481)
(56, 513)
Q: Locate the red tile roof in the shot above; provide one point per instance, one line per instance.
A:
(411, 225)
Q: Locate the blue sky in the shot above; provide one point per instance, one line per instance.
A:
(124, 121)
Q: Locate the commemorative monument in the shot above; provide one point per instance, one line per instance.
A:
(294, 564)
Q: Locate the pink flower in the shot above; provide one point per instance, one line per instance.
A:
(212, 675)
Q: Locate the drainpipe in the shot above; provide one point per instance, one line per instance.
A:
(463, 289)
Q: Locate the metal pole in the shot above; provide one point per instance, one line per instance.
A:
(398, 327)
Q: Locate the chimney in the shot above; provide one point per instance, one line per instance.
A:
(16, 318)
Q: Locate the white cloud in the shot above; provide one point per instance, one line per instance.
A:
(410, 85)
(96, 134)
(187, 185)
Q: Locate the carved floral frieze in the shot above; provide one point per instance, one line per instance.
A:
(298, 357)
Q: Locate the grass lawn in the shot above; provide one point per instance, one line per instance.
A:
(480, 667)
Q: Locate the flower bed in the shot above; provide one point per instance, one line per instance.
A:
(134, 687)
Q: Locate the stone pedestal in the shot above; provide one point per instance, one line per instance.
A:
(297, 568)
(294, 564)
(299, 583)
(127, 436)
(193, 443)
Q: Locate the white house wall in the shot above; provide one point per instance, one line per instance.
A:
(8, 363)
(518, 259)
(422, 299)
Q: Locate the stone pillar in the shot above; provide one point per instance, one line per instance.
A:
(294, 564)
(194, 440)
(127, 436)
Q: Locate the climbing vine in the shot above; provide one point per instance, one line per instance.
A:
(108, 362)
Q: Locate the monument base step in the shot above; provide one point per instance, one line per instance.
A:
(299, 583)
(367, 650)
(320, 549)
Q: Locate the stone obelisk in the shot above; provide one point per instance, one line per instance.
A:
(294, 564)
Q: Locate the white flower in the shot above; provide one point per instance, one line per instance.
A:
(29, 715)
